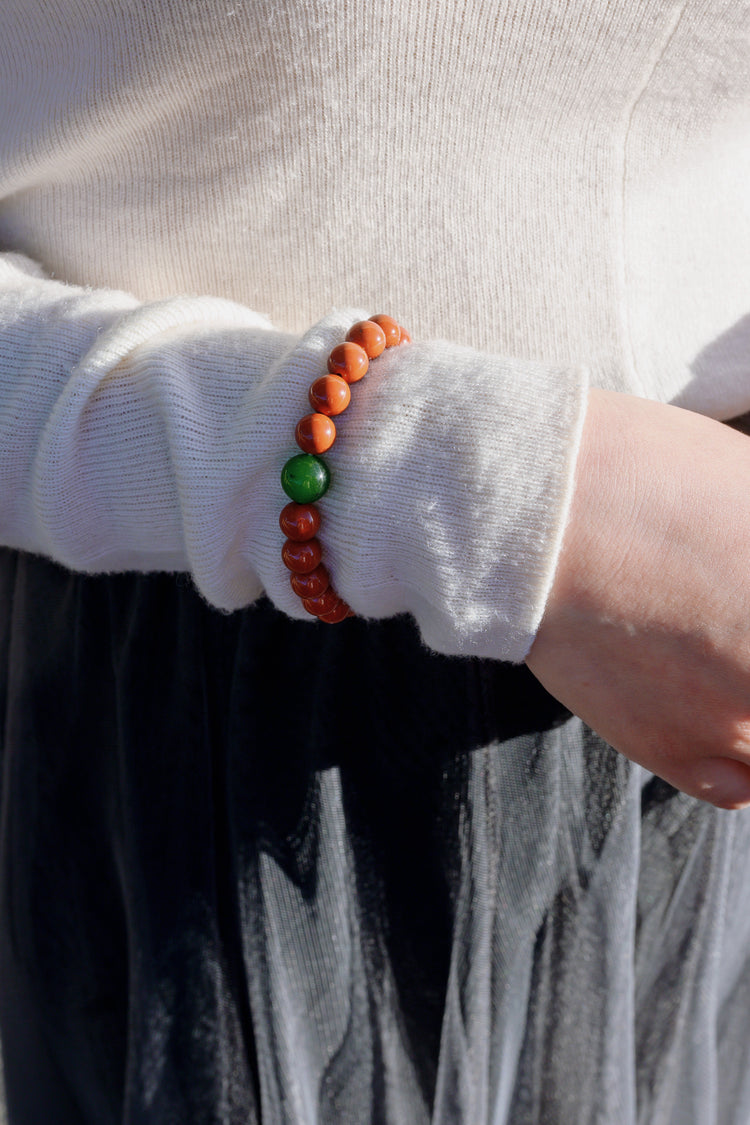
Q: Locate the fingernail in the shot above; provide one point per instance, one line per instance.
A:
(723, 782)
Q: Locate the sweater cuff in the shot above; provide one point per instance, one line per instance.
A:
(452, 475)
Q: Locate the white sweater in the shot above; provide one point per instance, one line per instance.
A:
(558, 187)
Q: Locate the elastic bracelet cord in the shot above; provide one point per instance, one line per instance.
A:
(306, 477)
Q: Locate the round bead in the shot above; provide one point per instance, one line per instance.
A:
(349, 361)
(369, 335)
(315, 433)
(405, 337)
(340, 613)
(390, 327)
(301, 558)
(305, 478)
(311, 585)
(329, 394)
(323, 603)
(299, 521)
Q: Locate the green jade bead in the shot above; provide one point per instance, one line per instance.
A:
(305, 478)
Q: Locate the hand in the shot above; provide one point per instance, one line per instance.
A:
(646, 633)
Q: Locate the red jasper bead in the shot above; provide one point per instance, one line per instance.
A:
(301, 558)
(311, 585)
(390, 327)
(349, 361)
(369, 335)
(299, 521)
(315, 433)
(340, 613)
(323, 603)
(329, 394)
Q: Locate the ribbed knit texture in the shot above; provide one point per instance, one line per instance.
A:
(230, 891)
(560, 187)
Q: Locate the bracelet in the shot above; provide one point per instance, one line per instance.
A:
(306, 477)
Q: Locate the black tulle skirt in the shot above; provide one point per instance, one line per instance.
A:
(256, 871)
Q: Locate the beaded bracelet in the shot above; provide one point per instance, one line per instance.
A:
(306, 477)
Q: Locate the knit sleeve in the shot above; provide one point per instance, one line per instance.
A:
(151, 437)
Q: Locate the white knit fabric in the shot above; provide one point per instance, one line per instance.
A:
(559, 187)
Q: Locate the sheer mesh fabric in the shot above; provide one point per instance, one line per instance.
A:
(258, 871)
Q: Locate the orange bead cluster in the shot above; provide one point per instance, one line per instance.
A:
(307, 474)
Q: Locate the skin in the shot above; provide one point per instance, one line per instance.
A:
(646, 634)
